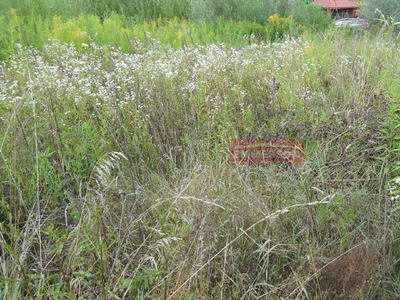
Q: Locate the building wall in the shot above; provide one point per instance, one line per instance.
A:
(343, 13)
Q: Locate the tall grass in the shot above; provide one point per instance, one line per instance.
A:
(249, 10)
(116, 181)
(176, 23)
(116, 30)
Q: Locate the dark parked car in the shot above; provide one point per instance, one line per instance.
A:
(352, 23)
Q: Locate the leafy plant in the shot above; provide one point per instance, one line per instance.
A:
(115, 173)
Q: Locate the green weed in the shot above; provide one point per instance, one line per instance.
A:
(115, 179)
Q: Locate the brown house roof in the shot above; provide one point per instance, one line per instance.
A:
(336, 4)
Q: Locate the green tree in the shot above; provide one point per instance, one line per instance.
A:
(388, 8)
(308, 14)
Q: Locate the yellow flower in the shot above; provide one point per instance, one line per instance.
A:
(310, 49)
(275, 19)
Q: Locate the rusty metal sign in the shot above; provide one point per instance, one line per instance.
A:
(266, 150)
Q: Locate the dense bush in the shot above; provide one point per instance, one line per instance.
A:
(388, 8)
(311, 16)
(105, 24)
(145, 10)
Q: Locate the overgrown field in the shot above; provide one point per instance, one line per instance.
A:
(116, 182)
(35, 29)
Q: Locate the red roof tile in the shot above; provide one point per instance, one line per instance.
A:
(336, 4)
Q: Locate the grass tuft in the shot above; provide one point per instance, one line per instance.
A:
(116, 181)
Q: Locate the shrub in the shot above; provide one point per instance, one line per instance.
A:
(278, 27)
